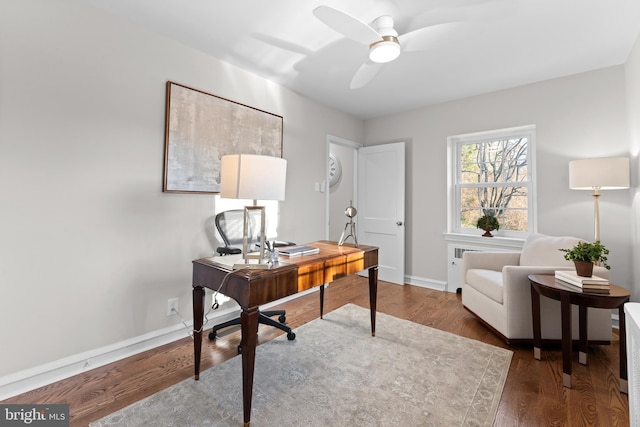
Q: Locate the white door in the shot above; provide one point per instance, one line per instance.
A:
(380, 218)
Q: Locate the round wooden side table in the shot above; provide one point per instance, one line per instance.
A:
(567, 294)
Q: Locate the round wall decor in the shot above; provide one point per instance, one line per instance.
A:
(335, 169)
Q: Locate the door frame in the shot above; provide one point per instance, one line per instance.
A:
(332, 139)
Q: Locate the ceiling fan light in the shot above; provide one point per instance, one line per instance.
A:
(385, 50)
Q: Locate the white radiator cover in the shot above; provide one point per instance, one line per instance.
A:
(457, 245)
(632, 319)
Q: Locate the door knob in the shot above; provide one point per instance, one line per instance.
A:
(399, 223)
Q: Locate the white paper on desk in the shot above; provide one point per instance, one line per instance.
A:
(230, 260)
(227, 260)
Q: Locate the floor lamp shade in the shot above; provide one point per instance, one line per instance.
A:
(606, 173)
(251, 176)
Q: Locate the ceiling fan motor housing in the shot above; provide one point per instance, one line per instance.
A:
(387, 48)
(384, 26)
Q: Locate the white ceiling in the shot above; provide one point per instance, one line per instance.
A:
(489, 44)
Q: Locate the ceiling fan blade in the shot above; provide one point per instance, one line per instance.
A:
(365, 74)
(346, 25)
(428, 37)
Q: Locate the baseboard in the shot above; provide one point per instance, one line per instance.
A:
(48, 373)
(426, 283)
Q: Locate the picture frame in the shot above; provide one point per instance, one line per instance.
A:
(201, 127)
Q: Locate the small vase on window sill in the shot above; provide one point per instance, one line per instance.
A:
(488, 223)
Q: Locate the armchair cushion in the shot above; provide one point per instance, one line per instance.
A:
(489, 282)
(540, 249)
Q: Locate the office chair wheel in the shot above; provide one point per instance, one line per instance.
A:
(291, 336)
(282, 318)
(212, 335)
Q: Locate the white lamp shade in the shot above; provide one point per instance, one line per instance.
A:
(606, 173)
(250, 176)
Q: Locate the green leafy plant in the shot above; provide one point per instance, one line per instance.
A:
(488, 223)
(589, 252)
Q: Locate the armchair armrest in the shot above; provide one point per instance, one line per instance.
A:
(516, 287)
(488, 260)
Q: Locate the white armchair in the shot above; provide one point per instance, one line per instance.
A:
(496, 289)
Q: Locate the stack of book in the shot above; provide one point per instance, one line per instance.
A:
(588, 284)
(292, 251)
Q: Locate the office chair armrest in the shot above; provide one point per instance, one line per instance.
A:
(226, 250)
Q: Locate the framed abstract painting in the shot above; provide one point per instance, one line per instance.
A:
(200, 128)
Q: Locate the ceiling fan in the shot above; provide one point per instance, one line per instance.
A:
(383, 41)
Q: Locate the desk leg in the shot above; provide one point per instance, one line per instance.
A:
(321, 300)
(249, 323)
(583, 322)
(624, 387)
(373, 297)
(565, 306)
(198, 314)
(535, 315)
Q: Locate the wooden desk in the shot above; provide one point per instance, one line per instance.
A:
(252, 288)
(545, 284)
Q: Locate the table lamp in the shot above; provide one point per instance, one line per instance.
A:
(251, 176)
(606, 173)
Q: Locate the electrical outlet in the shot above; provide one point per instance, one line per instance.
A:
(172, 306)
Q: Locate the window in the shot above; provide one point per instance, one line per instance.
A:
(492, 173)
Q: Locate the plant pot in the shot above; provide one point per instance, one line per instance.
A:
(584, 268)
(487, 233)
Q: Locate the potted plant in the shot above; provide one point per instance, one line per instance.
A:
(585, 254)
(488, 223)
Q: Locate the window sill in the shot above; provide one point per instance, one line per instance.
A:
(496, 241)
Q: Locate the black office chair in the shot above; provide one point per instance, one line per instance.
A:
(230, 225)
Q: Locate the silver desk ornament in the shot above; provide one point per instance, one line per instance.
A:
(350, 226)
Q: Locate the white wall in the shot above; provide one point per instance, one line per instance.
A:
(90, 247)
(632, 73)
(576, 117)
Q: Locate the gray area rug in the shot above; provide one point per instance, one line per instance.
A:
(336, 374)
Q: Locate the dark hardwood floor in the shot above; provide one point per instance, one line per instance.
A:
(533, 393)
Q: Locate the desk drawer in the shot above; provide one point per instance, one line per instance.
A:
(271, 287)
(310, 275)
(335, 268)
(355, 263)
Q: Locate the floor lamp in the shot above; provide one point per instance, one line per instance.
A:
(605, 173)
(251, 176)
